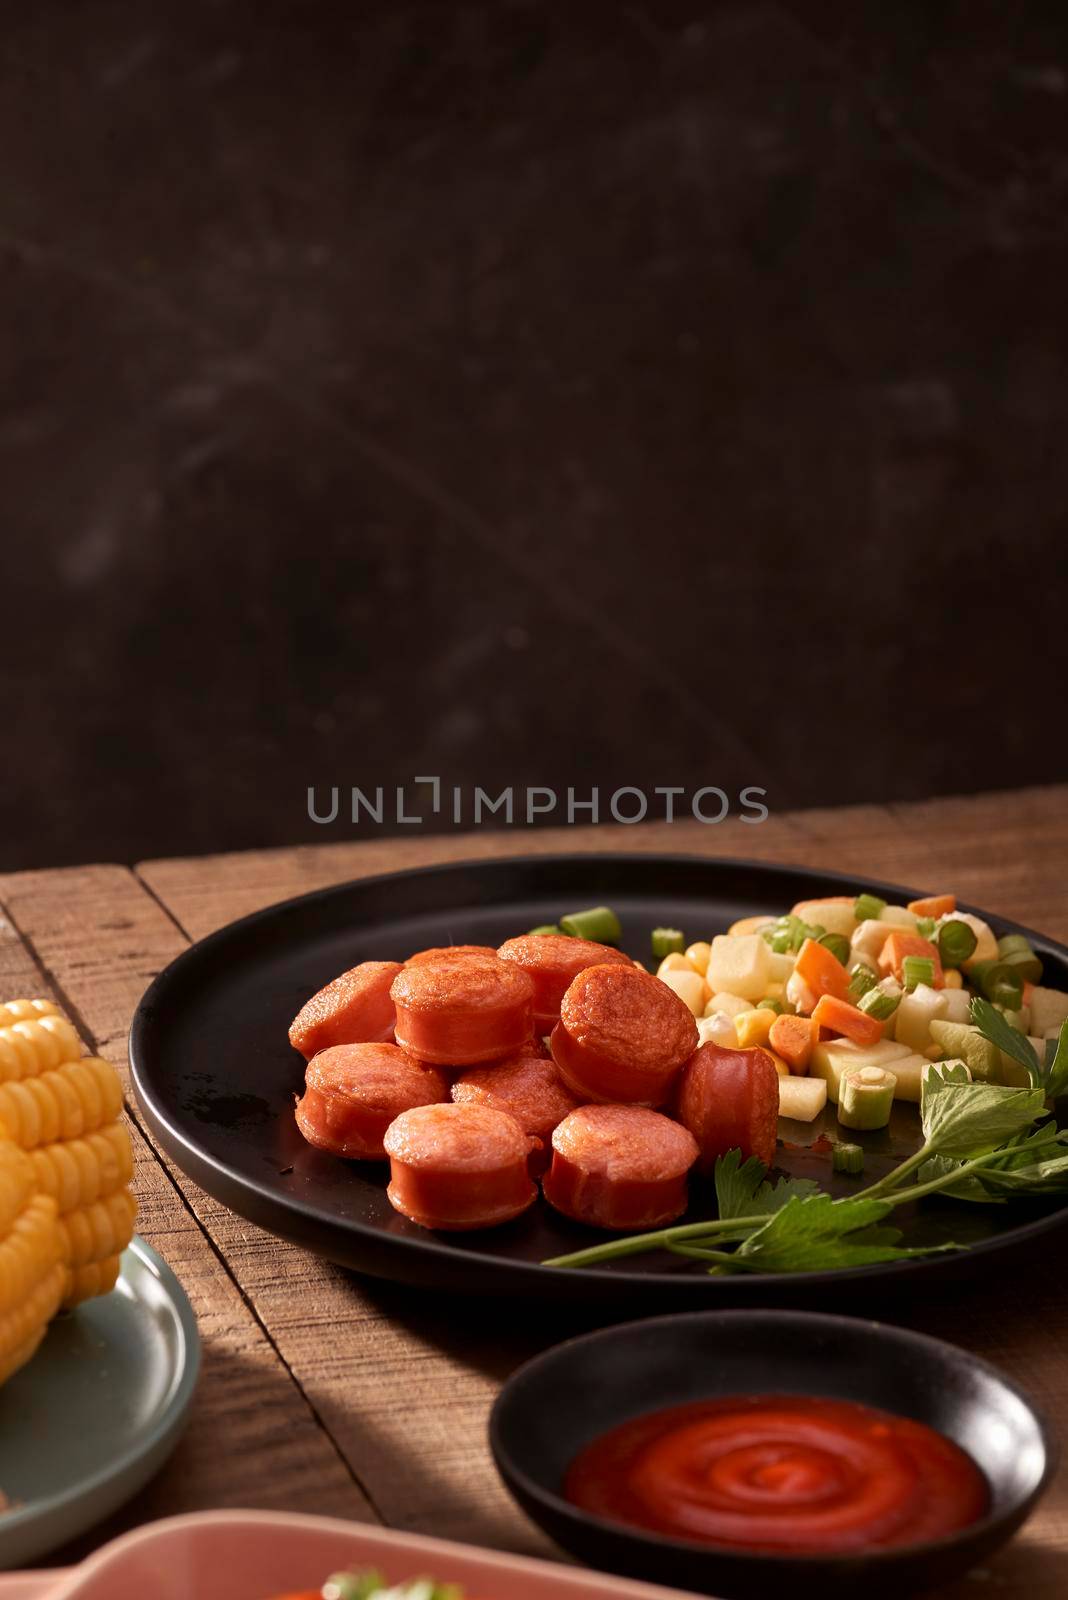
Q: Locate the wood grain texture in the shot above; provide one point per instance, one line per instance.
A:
(402, 1385)
(253, 1438)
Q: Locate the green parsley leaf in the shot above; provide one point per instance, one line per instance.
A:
(742, 1192)
(969, 1187)
(970, 1119)
(1000, 1032)
(1057, 1071)
(820, 1234)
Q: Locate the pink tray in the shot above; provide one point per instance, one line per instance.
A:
(251, 1555)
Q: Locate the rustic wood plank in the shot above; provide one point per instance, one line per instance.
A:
(403, 1386)
(253, 1439)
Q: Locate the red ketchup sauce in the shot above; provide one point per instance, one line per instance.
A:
(780, 1472)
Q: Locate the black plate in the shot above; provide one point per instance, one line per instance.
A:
(215, 1076)
(561, 1401)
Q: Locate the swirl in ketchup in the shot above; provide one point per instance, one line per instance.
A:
(780, 1472)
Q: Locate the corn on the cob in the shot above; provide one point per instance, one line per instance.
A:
(25, 1011)
(31, 1249)
(18, 1182)
(85, 1283)
(94, 1233)
(78, 1171)
(65, 1103)
(18, 1328)
(30, 1047)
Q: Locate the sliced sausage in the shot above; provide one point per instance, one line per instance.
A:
(527, 1086)
(622, 1036)
(729, 1100)
(443, 952)
(353, 1009)
(619, 1167)
(458, 1167)
(458, 1013)
(354, 1091)
(553, 961)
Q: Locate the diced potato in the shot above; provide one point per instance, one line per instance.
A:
(908, 1070)
(869, 938)
(834, 1056)
(802, 1099)
(834, 916)
(689, 986)
(732, 1004)
(739, 964)
(753, 1027)
(780, 964)
(899, 917)
(776, 991)
(856, 955)
(697, 955)
(914, 1015)
(749, 925)
(800, 995)
(958, 1004)
(1049, 1009)
(717, 1029)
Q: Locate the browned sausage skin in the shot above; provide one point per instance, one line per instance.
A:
(460, 1012)
(528, 1087)
(552, 962)
(619, 1167)
(354, 1009)
(622, 1036)
(458, 1167)
(354, 1091)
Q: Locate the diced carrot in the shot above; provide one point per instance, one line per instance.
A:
(793, 1038)
(821, 971)
(901, 944)
(841, 1017)
(934, 905)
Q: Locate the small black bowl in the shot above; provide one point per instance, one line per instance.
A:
(558, 1403)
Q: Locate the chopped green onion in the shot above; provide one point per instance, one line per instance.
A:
(668, 942)
(546, 927)
(868, 907)
(1025, 964)
(956, 942)
(925, 927)
(879, 1004)
(837, 944)
(1012, 942)
(916, 970)
(769, 1003)
(787, 934)
(861, 979)
(999, 981)
(1007, 994)
(848, 1158)
(598, 924)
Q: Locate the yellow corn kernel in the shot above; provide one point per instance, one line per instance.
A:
(85, 1283)
(30, 1251)
(12, 1011)
(78, 1171)
(66, 1103)
(31, 1047)
(674, 963)
(93, 1233)
(18, 1183)
(749, 925)
(19, 1326)
(952, 978)
(753, 1027)
(697, 955)
(777, 1061)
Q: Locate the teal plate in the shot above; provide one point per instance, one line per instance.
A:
(98, 1410)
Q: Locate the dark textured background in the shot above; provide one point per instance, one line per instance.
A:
(525, 393)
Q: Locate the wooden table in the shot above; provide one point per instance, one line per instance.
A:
(323, 1392)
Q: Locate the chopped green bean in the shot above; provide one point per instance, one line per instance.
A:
(861, 980)
(598, 924)
(879, 1004)
(770, 1003)
(546, 927)
(868, 907)
(916, 970)
(668, 942)
(848, 1158)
